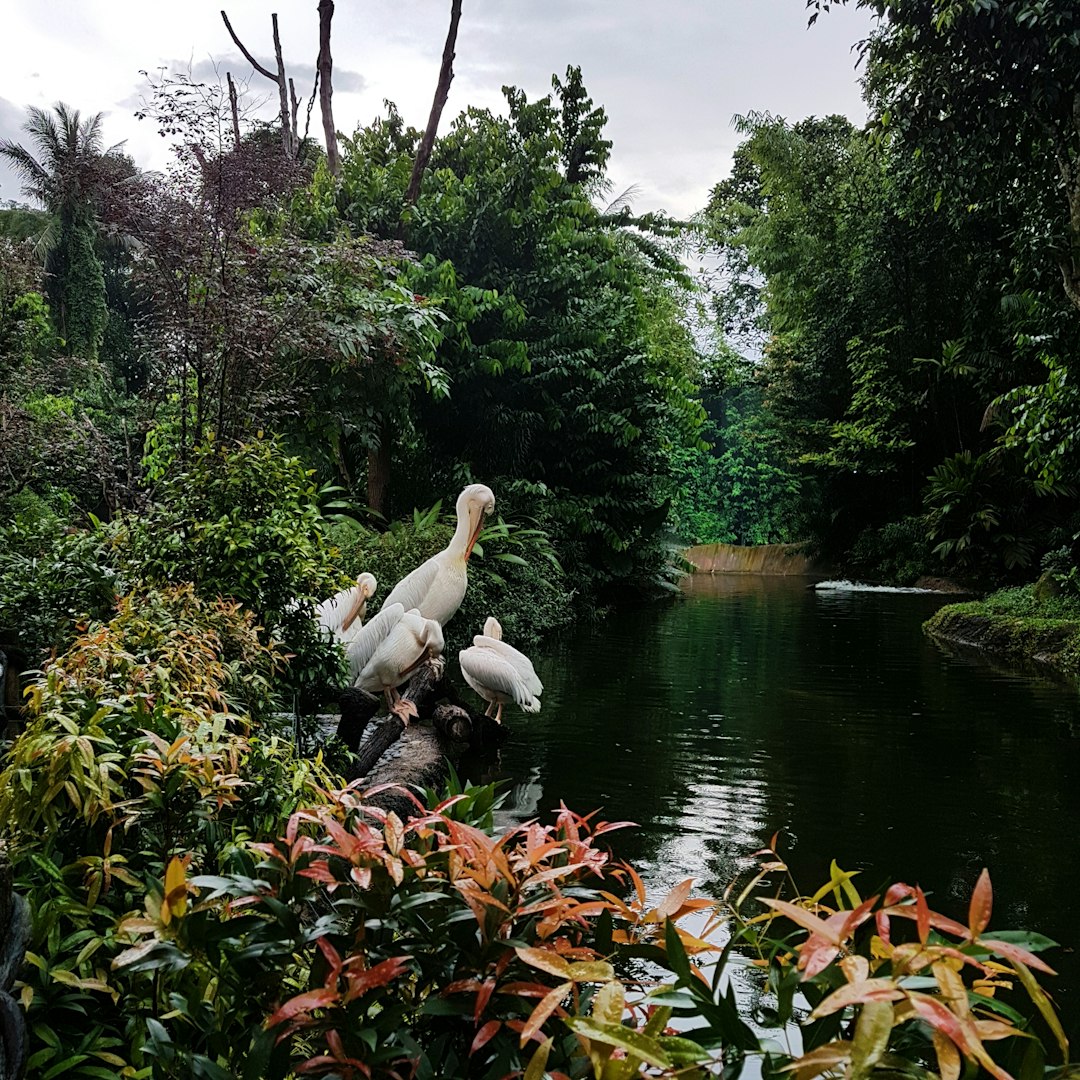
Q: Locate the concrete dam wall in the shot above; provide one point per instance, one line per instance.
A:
(781, 559)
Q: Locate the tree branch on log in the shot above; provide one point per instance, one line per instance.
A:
(323, 70)
(442, 92)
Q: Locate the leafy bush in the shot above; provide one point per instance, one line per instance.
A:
(141, 744)
(873, 998)
(244, 522)
(51, 579)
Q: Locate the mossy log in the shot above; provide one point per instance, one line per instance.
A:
(415, 756)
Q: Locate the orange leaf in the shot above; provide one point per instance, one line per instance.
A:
(948, 1057)
(982, 902)
(857, 993)
(673, 901)
(379, 975)
(545, 960)
(805, 919)
(547, 1005)
(922, 914)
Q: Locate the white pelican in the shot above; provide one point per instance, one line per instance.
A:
(386, 650)
(437, 587)
(499, 673)
(338, 615)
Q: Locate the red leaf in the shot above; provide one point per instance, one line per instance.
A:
(960, 1031)
(1014, 952)
(483, 996)
(302, 1003)
(484, 1035)
(379, 975)
(982, 901)
(333, 958)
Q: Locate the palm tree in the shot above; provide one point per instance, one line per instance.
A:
(67, 177)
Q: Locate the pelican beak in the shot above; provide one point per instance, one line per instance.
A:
(354, 611)
(472, 539)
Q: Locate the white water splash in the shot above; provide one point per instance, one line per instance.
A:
(861, 586)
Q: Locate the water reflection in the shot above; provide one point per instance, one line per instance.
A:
(759, 704)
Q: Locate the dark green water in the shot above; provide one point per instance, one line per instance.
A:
(757, 704)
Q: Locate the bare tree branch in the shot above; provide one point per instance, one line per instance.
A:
(287, 137)
(250, 59)
(294, 109)
(442, 92)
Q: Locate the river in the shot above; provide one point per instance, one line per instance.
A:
(758, 704)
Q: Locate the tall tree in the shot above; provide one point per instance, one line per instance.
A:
(67, 176)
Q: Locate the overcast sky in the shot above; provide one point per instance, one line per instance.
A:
(670, 74)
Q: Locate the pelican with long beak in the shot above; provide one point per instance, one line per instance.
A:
(388, 649)
(499, 673)
(343, 614)
(437, 587)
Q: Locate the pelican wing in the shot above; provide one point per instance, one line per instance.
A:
(518, 660)
(370, 636)
(489, 669)
(412, 589)
(330, 614)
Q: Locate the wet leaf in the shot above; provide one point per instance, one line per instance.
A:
(982, 903)
(546, 1006)
(872, 1032)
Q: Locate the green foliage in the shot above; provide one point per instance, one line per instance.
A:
(243, 522)
(1042, 421)
(898, 552)
(79, 291)
(977, 520)
(1029, 625)
(556, 331)
(742, 490)
(51, 580)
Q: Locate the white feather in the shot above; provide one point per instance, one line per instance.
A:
(369, 637)
(408, 641)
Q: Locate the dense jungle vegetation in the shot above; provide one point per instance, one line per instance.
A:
(227, 387)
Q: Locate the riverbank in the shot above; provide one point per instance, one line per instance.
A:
(1018, 625)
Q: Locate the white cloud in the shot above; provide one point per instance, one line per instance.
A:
(670, 75)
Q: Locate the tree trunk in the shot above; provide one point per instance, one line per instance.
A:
(378, 478)
(325, 67)
(442, 92)
(287, 137)
(235, 110)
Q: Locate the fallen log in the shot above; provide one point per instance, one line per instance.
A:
(415, 756)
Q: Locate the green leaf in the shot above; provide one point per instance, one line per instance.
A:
(622, 1037)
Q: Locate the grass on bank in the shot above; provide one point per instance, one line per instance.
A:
(1027, 624)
